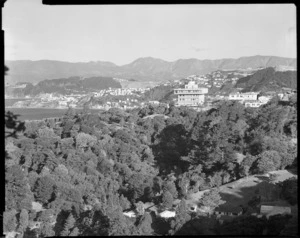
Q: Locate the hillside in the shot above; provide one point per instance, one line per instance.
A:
(268, 80)
(65, 86)
(142, 69)
(81, 174)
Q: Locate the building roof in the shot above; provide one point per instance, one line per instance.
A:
(130, 214)
(226, 208)
(247, 93)
(168, 214)
(266, 209)
(252, 101)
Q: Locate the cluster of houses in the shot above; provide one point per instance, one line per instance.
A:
(51, 100)
(122, 104)
(249, 99)
(221, 213)
(120, 91)
(194, 96)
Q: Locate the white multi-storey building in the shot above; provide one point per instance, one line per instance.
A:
(191, 95)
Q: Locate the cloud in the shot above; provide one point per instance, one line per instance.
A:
(245, 47)
(199, 49)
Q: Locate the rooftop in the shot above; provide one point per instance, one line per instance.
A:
(247, 93)
(226, 208)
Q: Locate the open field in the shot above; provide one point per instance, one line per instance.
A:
(241, 191)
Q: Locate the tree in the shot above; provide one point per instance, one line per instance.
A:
(269, 160)
(137, 184)
(181, 217)
(17, 191)
(215, 180)
(23, 220)
(171, 187)
(70, 223)
(244, 170)
(12, 125)
(44, 190)
(144, 225)
(74, 232)
(46, 132)
(211, 199)
(148, 194)
(139, 206)
(184, 185)
(167, 199)
(9, 220)
(124, 203)
(83, 140)
(289, 190)
(119, 226)
(46, 230)
(157, 184)
(70, 113)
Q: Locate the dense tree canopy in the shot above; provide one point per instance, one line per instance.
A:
(89, 168)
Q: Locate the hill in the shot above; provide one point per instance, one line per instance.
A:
(65, 86)
(142, 69)
(268, 80)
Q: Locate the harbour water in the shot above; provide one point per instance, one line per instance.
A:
(40, 113)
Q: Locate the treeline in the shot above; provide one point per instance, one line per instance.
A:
(160, 93)
(87, 169)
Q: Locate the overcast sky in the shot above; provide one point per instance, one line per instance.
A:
(123, 33)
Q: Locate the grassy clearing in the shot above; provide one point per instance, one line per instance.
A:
(241, 191)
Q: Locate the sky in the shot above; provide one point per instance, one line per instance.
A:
(123, 33)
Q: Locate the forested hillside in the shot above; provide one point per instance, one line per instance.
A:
(87, 169)
(160, 93)
(268, 80)
(67, 86)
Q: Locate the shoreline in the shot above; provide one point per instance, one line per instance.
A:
(39, 108)
(51, 108)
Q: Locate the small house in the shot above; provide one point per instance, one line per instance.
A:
(167, 214)
(253, 103)
(228, 211)
(129, 214)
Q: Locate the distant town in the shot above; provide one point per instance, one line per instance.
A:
(200, 92)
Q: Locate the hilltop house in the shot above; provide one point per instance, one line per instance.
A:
(244, 96)
(167, 214)
(130, 214)
(191, 95)
(253, 103)
(228, 211)
(264, 99)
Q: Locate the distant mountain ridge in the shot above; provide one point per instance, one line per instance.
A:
(144, 69)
